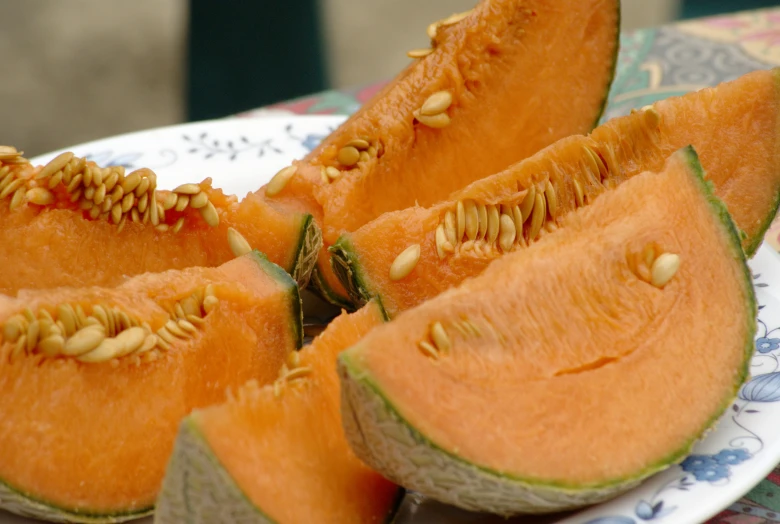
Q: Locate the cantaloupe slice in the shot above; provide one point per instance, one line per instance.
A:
(559, 353)
(498, 84)
(734, 127)
(242, 461)
(89, 414)
(73, 223)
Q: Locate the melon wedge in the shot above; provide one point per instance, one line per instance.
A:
(559, 353)
(73, 223)
(89, 414)
(277, 453)
(734, 128)
(511, 77)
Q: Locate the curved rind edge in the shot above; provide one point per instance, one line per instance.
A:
(18, 503)
(320, 287)
(198, 489)
(387, 443)
(347, 269)
(613, 70)
(296, 306)
(751, 247)
(381, 437)
(307, 251)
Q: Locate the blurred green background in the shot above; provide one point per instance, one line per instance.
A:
(85, 69)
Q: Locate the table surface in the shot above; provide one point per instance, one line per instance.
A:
(655, 64)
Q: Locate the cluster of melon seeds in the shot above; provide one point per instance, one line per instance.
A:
(105, 332)
(433, 29)
(433, 112)
(101, 193)
(436, 343)
(653, 265)
(291, 371)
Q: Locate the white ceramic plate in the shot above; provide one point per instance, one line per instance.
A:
(241, 154)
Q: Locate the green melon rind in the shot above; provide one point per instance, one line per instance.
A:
(752, 246)
(15, 501)
(613, 69)
(383, 439)
(286, 281)
(324, 291)
(347, 268)
(198, 489)
(306, 251)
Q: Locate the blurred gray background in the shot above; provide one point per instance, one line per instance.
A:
(77, 70)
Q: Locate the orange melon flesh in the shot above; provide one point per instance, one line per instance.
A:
(569, 348)
(522, 74)
(59, 245)
(90, 441)
(283, 458)
(733, 127)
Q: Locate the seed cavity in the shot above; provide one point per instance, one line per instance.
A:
(405, 262)
(105, 333)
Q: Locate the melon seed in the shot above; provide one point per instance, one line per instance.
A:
(199, 200)
(187, 189)
(528, 203)
(67, 316)
(437, 103)
(143, 188)
(450, 228)
(440, 338)
(54, 165)
(359, 144)
(33, 330)
(13, 328)
(84, 341)
(279, 180)
(130, 340)
(18, 199)
(10, 188)
(472, 219)
(209, 214)
(169, 200)
(108, 349)
(493, 223)
(517, 216)
(578, 194)
(442, 244)
(40, 196)
(460, 213)
(153, 210)
(652, 118)
(52, 345)
(483, 221)
(209, 303)
(428, 349)
(455, 18)
(436, 121)
(537, 217)
(148, 344)
(173, 327)
(405, 262)
(551, 197)
(508, 233)
(182, 202)
(131, 181)
(419, 53)
(298, 373)
(332, 173)
(188, 326)
(664, 268)
(348, 156)
(238, 244)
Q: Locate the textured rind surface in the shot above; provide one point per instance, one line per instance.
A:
(194, 469)
(387, 443)
(308, 248)
(20, 504)
(319, 286)
(347, 269)
(381, 437)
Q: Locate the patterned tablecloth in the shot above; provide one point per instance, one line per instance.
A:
(655, 64)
